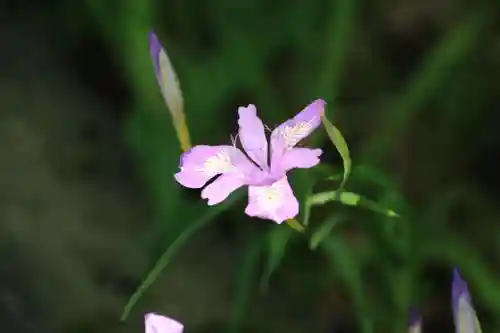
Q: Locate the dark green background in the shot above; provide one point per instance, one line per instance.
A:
(88, 201)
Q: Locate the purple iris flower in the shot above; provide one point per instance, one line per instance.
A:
(160, 324)
(260, 166)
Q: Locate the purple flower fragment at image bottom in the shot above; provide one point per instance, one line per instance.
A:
(262, 166)
(464, 315)
(155, 323)
(415, 322)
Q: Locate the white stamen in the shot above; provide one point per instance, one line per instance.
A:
(234, 139)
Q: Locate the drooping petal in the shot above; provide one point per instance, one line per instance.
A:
(160, 324)
(221, 188)
(202, 163)
(415, 323)
(252, 135)
(296, 158)
(464, 314)
(288, 134)
(275, 202)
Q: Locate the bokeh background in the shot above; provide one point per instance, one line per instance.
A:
(88, 202)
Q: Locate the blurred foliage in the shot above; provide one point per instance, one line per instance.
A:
(413, 86)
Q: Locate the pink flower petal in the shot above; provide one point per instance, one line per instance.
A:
(303, 158)
(160, 324)
(252, 135)
(221, 188)
(202, 163)
(292, 131)
(275, 202)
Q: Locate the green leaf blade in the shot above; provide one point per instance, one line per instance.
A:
(175, 247)
(341, 145)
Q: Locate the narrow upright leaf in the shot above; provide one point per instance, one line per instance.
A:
(172, 250)
(341, 145)
(170, 89)
(464, 314)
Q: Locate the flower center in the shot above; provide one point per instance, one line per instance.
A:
(270, 198)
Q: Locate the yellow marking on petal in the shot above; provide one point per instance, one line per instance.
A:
(270, 198)
(220, 163)
(293, 135)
